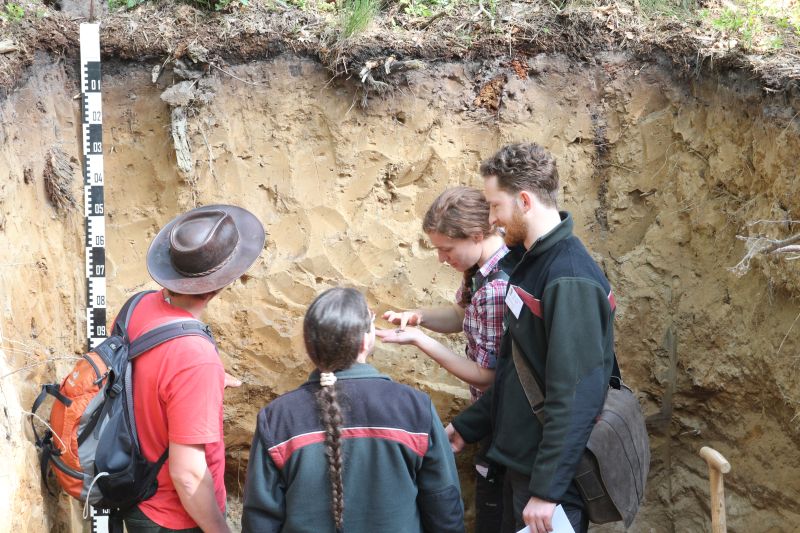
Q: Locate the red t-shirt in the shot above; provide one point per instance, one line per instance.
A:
(177, 397)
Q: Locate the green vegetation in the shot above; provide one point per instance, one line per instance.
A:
(426, 8)
(124, 4)
(356, 16)
(668, 8)
(758, 23)
(12, 12)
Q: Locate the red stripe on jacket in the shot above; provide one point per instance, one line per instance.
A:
(535, 305)
(416, 442)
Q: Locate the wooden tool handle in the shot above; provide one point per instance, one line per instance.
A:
(715, 459)
(717, 466)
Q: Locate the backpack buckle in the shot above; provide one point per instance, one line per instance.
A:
(115, 389)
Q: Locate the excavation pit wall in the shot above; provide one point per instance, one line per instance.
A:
(661, 174)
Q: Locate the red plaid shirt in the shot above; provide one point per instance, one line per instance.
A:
(483, 316)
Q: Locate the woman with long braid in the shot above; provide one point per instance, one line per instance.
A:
(457, 224)
(349, 451)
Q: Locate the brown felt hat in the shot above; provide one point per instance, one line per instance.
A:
(205, 249)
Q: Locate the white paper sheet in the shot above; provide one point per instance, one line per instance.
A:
(560, 522)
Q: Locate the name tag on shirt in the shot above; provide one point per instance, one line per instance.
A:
(513, 301)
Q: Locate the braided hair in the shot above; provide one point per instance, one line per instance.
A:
(460, 213)
(333, 332)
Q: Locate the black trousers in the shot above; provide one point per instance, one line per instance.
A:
(516, 495)
(489, 500)
(137, 522)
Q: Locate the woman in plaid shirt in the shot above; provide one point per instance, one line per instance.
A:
(457, 224)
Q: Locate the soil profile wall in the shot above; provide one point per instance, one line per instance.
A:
(660, 173)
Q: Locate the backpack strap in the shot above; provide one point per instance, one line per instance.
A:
(166, 332)
(53, 390)
(498, 274)
(532, 387)
(147, 341)
(121, 328)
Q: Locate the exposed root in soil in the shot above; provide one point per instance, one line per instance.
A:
(377, 75)
(761, 245)
(59, 177)
(183, 152)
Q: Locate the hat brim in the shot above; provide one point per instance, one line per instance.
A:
(251, 241)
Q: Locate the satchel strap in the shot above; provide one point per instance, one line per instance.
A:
(532, 388)
(533, 391)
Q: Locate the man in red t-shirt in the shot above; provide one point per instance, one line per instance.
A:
(178, 386)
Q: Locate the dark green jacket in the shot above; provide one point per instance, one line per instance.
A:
(399, 473)
(565, 331)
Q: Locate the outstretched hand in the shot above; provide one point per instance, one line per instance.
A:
(403, 318)
(400, 335)
(231, 381)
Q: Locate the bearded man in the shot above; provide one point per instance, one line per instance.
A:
(559, 319)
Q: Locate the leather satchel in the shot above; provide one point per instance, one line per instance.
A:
(612, 473)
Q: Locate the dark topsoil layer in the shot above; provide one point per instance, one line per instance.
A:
(519, 30)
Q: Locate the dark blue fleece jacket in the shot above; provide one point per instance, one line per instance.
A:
(399, 473)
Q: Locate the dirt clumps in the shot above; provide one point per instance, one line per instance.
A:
(520, 68)
(491, 93)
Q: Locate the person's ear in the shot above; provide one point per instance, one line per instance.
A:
(365, 341)
(525, 201)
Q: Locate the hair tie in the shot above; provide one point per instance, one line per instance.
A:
(327, 379)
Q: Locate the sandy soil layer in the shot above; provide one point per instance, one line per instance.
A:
(660, 175)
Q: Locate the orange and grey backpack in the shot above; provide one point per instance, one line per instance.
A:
(93, 445)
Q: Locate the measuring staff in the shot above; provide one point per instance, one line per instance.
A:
(94, 205)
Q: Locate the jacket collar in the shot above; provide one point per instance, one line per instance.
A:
(357, 371)
(562, 231)
(491, 264)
